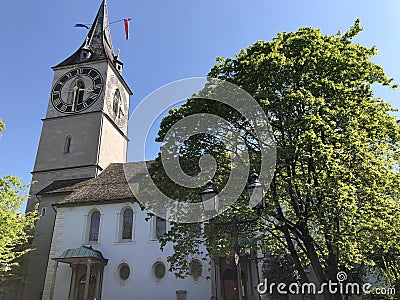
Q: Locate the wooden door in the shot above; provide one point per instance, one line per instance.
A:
(92, 288)
(230, 285)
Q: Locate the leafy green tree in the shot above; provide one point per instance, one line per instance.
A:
(15, 227)
(332, 203)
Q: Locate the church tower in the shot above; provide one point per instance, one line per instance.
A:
(85, 129)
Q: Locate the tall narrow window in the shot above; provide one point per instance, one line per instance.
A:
(43, 213)
(67, 144)
(94, 226)
(116, 102)
(127, 224)
(80, 92)
(161, 227)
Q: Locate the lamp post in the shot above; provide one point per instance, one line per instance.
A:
(210, 199)
(256, 191)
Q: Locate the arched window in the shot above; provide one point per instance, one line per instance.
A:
(79, 92)
(92, 279)
(91, 287)
(116, 102)
(94, 226)
(127, 224)
(161, 227)
(67, 144)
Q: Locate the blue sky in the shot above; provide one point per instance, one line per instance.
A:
(170, 40)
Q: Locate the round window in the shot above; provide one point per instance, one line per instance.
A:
(159, 269)
(124, 271)
(195, 268)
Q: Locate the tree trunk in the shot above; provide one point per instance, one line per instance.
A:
(295, 257)
(316, 264)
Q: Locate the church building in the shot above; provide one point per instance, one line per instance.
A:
(92, 240)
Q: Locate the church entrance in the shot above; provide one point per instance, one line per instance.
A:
(91, 289)
(87, 272)
(230, 285)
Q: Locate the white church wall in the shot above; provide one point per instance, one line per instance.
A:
(112, 145)
(139, 254)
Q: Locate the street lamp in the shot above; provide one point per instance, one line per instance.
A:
(210, 199)
(256, 192)
(255, 189)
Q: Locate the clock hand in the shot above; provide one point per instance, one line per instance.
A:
(120, 112)
(89, 90)
(74, 98)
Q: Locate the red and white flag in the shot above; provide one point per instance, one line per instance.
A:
(126, 24)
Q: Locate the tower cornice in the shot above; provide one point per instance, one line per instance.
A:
(92, 112)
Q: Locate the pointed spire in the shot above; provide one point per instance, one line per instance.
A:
(97, 44)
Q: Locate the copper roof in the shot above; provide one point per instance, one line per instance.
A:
(82, 253)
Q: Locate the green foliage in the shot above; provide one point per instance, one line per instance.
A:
(2, 126)
(15, 227)
(332, 204)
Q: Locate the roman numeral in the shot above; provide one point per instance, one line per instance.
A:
(56, 101)
(63, 107)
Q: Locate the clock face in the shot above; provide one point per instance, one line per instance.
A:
(76, 90)
(117, 104)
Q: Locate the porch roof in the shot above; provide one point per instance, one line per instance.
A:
(81, 255)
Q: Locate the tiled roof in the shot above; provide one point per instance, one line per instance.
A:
(98, 39)
(110, 185)
(62, 186)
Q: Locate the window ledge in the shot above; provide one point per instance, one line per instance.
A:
(153, 241)
(124, 242)
(91, 243)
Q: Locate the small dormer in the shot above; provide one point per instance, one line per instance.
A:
(84, 55)
(118, 64)
(85, 52)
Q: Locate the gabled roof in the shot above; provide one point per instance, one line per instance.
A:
(98, 40)
(110, 185)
